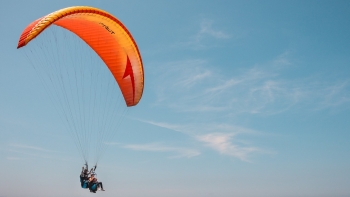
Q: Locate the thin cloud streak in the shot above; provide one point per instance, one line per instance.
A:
(174, 127)
(35, 148)
(32, 151)
(190, 81)
(179, 152)
(36, 155)
(199, 128)
(226, 84)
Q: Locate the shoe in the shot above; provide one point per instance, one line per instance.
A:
(102, 190)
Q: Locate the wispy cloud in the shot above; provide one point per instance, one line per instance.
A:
(154, 147)
(335, 95)
(32, 151)
(194, 129)
(35, 148)
(205, 36)
(207, 29)
(190, 81)
(223, 138)
(224, 86)
(210, 98)
(166, 125)
(180, 75)
(195, 86)
(222, 142)
(45, 156)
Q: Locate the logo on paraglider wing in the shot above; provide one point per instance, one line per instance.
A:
(129, 72)
(107, 28)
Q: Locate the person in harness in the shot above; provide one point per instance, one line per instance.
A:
(84, 176)
(94, 185)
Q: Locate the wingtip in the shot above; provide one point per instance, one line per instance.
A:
(20, 44)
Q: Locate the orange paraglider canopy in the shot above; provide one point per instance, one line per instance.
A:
(107, 36)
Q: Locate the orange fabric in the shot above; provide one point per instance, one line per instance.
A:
(107, 36)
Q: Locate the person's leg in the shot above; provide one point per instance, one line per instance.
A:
(100, 184)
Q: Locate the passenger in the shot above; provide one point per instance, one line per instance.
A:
(94, 184)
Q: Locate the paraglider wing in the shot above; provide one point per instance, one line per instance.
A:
(107, 36)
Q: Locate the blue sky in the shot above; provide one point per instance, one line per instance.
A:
(242, 98)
